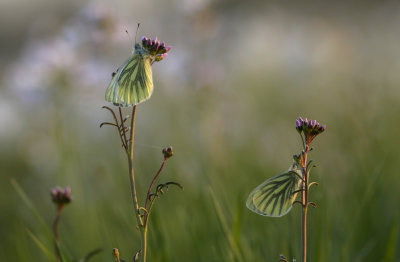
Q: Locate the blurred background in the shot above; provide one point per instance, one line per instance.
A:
(226, 99)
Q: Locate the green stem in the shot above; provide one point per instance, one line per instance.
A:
(55, 231)
(131, 168)
(142, 227)
(143, 233)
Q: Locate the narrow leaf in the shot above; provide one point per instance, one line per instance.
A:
(42, 247)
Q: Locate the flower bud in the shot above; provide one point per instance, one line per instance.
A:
(299, 126)
(314, 123)
(309, 128)
(116, 253)
(61, 196)
(155, 48)
(167, 152)
(156, 45)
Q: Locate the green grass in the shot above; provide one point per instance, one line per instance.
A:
(228, 148)
(228, 137)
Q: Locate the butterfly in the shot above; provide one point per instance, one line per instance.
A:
(275, 196)
(132, 83)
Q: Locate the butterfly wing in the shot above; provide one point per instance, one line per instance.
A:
(133, 81)
(275, 196)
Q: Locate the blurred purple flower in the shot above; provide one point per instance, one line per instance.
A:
(61, 196)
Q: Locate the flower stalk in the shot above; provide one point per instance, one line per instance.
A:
(155, 51)
(141, 213)
(308, 130)
(60, 197)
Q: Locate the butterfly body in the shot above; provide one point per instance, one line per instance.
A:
(276, 195)
(132, 83)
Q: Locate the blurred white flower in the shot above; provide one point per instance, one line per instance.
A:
(68, 59)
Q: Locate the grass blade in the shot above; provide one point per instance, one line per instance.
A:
(42, 247)
(225, 228)
(33, 209)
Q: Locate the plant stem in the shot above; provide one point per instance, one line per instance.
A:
(143, 230)
(152, 183)
(131, 168)
(55, 231)
(304, 233)
(304, 203)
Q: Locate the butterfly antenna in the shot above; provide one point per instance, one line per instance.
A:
(137, 29)
(130, 38)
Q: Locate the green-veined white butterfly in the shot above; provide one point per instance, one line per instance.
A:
(275, 196)
(133, 81)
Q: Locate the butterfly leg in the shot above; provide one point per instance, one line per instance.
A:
(298, 190)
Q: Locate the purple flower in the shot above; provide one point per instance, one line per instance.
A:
(158, 51)
(156, 45)
(61, 196)
(309, 128)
